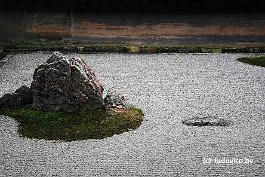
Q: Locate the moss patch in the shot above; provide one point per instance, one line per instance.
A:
(67, 127)
(65, 47)
(256, 61)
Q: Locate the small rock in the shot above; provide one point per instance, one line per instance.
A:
(22, 97)
(206, 121)
(115, 100)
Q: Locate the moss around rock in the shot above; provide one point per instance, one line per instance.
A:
(65, 102)
(67, 127)
(256, 61)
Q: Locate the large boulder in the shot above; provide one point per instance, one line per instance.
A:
(67, 85)
(20, 98)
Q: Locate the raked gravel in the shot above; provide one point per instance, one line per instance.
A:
(168, 88)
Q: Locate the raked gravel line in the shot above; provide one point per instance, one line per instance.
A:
(169, 88)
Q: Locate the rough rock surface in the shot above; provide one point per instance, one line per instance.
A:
(20, 98)
(115, 100)
(67, 85)
(206, 121)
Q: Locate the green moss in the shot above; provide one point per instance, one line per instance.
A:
(133, 49)
(256, 61)
(67, 127)
(62, 46)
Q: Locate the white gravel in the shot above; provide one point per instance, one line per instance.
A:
(169, 88)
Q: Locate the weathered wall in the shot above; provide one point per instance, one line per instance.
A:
(155, 6)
